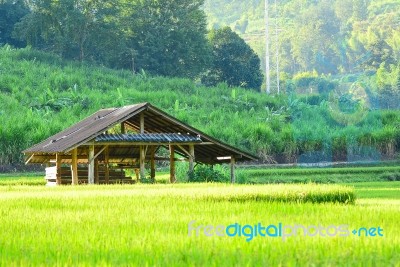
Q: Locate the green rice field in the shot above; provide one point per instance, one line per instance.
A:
(321, 175)
(163, 225)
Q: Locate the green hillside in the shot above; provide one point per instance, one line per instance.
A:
(329, 36)
(323, 39)
(41, 94)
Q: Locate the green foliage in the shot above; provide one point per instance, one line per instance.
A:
(11, 12)
(73, 29)
(42, 94)
(310, 83)
(159, 214)
(329, 36)
(319, 175)
(305, 78)
(168, 37)
(234, 62)
(391, 176)
(165, 37)
(388, 86)
(22, 180)
(207, 174)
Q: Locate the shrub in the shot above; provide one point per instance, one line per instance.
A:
(390, 176)
(205, 173)
(314, 99)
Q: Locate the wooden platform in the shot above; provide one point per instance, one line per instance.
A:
(116, 176)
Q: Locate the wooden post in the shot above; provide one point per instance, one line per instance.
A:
(58, 169)
(191, 158)
(152, 164)
(172, 177)
(141, 162)
(106, 160)
(122, 127)
(233, 178)
(141, 123)
(91, 165)
(96, 171)
(137, 175)
(74, 166)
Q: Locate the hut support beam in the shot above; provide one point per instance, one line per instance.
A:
(74, 167)
(29, 159)
(141, 162)
(191, 158)
(190, 155)
(172, 177)
(106, 162)
(233, 178)
(142, 150)
(91, 165)
(96, 171)
(101, 151)
(58, 169)
(141, 123)
(152, 164)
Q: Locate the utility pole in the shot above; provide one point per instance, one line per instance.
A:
(277, 49)
(267, 71)
(271, 50)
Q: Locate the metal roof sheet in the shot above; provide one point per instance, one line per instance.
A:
(85, 130)
(149, 137)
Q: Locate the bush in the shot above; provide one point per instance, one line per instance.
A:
(205, 173)
(314, 100)
(304, 79)
(390, 176)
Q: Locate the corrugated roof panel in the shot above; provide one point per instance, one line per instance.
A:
(149, 137)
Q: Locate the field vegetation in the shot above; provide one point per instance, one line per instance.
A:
(340, 103)
(329, 36)
(42, 94)
(319, 175)
(246, 175)
(148, 225)
(376, 190)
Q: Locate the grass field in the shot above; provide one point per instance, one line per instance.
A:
(262, 175)
(149, 224)
(320, 175)
(377, 190)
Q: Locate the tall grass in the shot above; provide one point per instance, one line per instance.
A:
(148, 225)
(319, 175)
(41, 95)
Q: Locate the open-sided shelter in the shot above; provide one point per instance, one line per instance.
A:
(91, 143)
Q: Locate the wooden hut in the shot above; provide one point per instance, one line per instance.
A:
(98, 148)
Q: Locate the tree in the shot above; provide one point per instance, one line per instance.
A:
(11, 12)
(234, 61)
(314, 38)
(163, 37)
(71, 28)
(166, 37)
